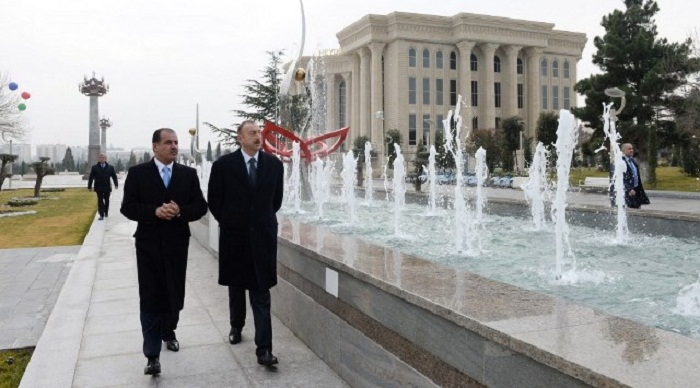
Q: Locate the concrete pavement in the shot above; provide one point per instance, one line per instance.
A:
(93, 338)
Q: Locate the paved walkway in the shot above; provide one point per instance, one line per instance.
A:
(93, 338)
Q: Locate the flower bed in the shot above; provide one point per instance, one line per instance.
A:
(23, 201)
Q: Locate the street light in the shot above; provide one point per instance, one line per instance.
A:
(616, 93)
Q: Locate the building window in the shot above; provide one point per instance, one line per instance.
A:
(474, 62)
(475, 122)
(496, 64)
(555, 97)
(555, 68)
(475, 93)
(412, 57)
(566, 98)
(439, 126)
(520, 96)
(342, 100)
(411, 129)
(411, 90)
(426, 91)
(426, 130)
(438, 59)
(543, 67)
(497, 94)
(566, 69)
(438, 91)
(453, 61)
(519, 66)
(426, 59)
(544, 97)
(453, 92)
(498, 122)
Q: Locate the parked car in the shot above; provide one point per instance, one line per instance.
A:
(446, 179)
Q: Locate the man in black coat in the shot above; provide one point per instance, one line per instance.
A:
(245, 192)
(635, 196)
(163, 197)
(100, 174)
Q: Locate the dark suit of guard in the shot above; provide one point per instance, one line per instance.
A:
(632, 181)
(245, 211)
(100, 173)
(161, 247)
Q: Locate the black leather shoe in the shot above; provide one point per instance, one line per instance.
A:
(267, 359)
(234, 336)
(101, 218)
(172, 345)
(153, 367)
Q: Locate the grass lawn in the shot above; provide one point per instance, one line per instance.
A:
(668, 178)
(11, 371)
(62, 218)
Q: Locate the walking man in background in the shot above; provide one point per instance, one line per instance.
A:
(100, 174)
(163, 197)
(245, 192)
(635, 196)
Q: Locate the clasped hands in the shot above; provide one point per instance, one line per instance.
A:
(168, 211)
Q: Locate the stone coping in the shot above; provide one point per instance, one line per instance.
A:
(585, 343)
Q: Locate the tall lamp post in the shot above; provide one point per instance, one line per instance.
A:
(104, 124)
(94, 89)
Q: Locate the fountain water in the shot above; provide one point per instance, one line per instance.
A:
(482, 173)
(536, 189)
(295, 177)
(321, 177)
(399, 188)
(348, 175)
(566, 141)
(368, 173)
(432, 181)
(620, 167)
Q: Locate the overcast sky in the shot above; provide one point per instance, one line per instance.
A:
(162, 57)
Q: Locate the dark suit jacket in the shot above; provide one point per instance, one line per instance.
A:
(247, 220)
(640, 198)
(101, 177)
(161, 245)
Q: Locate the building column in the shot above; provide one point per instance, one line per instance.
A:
(465, 80)
(533, 90)
(347, 78)
(331, 103)
(509, 90)
(377, 95)
(365, 88)
(355, 95)
(488, 108)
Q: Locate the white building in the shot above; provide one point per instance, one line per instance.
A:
(404, 71)
(22, 150)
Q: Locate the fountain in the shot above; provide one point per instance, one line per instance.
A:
(619, 165)
(368, 173)
(536, 188)
(399, 189)
(566, 141)
(432, 181)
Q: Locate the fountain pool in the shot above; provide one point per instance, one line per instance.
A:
(639, 280)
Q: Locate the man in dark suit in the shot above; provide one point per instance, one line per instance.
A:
(100, 174)
(635, 196)
(162, 196)
(245, 192)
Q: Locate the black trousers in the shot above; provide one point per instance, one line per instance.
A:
(157, 327)
(103, 202)
(260, 304)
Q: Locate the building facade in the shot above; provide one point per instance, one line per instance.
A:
(405, 71)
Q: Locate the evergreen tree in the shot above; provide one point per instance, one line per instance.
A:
(217, 153)
(491, 142)
(146, 157)
(443, 159)
(547, 124)
(646, 67)
(210, 157)
(120, 166)
(68, 162)
(132, 160)
(511, 128)
(421, 160)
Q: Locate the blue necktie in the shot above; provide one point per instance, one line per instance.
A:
(166, 176)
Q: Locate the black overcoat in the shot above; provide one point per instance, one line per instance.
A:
(101, 176)
(247, 220)
(161, 245)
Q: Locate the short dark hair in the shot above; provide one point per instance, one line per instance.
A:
(241, 125)
(157, 134)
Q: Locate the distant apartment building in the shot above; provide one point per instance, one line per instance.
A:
(55, 152)
(405, 71)
(22, 150)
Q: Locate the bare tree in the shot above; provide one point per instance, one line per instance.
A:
(12, 124)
